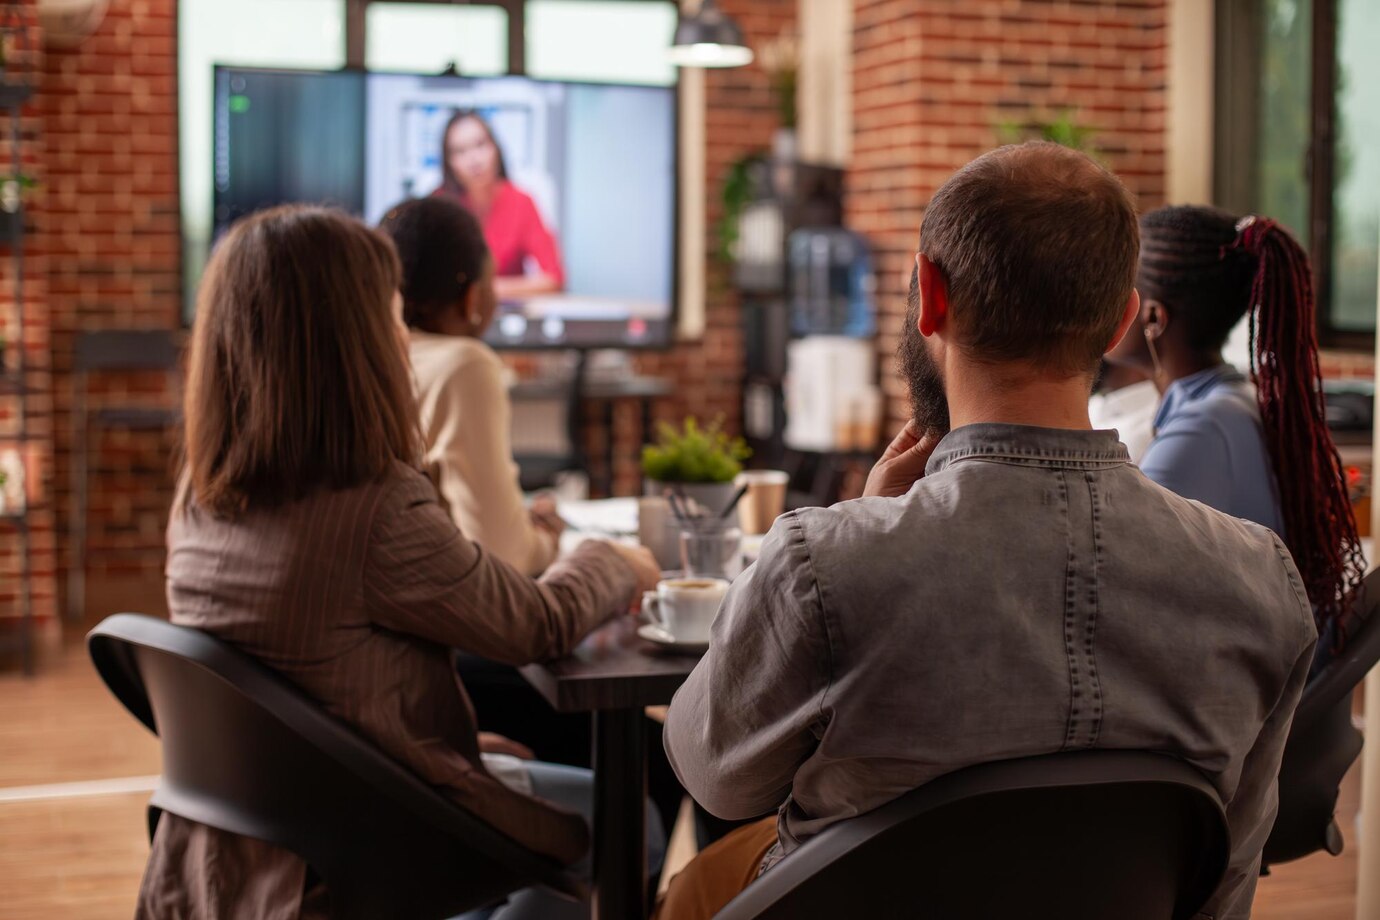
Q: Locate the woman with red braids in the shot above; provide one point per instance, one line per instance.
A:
(1259, 452)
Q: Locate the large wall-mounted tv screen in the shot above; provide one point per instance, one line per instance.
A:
(573, 183)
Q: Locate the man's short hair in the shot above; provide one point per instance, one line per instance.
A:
(1038, 244)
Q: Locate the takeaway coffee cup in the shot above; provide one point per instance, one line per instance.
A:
(764, 499)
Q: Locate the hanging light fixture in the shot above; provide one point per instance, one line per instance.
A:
(709, 38)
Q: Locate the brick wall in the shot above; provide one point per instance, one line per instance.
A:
(933, 81)
(108, 111)
(24, 64)
(1347, 365)
(108, 233)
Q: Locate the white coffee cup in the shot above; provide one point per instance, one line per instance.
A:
(685, 607)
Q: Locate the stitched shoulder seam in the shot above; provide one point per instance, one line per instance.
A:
(804, 545)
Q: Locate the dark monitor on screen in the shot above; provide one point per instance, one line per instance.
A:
(589, 192)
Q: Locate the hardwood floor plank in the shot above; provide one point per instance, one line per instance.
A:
(78, 858)
(62, 725)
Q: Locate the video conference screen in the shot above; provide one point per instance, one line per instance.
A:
(573, 183)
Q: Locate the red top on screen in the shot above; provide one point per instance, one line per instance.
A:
(514, 230)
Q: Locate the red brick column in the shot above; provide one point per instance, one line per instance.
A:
(933, 81)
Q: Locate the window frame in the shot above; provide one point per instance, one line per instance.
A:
(1235, 129)
(356, 10)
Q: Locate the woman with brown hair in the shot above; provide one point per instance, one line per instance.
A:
(527, 258)
(305, 535)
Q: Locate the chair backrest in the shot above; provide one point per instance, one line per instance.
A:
(1323, 742)
(245, 752)
(1089, 834)
(127, 350)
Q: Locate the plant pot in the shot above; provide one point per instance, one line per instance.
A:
(713, 496)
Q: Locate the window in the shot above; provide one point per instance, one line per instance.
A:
(1282, 137)
(429, 37)
(305, 33)
(609, 41)
(1356, 168)
(1298, 139)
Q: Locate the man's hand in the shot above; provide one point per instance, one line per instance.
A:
(489, 743)
(903, 464)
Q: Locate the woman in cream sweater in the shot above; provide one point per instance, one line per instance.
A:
(448, 302)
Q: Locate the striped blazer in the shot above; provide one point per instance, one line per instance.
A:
(357, 596)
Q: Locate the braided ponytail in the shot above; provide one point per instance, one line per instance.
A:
(1320, 528)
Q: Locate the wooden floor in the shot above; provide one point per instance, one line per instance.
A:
(63, 854)
(78, 850)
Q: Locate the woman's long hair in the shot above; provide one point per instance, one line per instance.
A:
(1211, 270)
(450, 182)
(297, 378)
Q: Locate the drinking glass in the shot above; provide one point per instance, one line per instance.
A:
(708, 551)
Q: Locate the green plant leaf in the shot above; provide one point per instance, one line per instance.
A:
(737, 192)
(1061, 128)
(694, 454)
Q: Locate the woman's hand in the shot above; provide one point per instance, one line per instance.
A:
(643, 564)
(544, 515)
(489, 743)
(903, 464)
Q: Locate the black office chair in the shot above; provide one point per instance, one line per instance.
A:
(245, 752)
(1324, 743)
(1091, 834)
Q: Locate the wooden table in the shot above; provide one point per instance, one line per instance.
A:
(614, 675)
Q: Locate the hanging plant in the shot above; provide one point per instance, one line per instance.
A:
(12, 188)
(735, 196)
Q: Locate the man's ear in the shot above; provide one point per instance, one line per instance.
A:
(1130, 315)
(934, 296)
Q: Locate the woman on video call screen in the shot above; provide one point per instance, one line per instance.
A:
(527, 258)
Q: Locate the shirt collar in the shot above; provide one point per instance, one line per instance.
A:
(1052, 447)
(1194, 387)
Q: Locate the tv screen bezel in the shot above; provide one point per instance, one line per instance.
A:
(673, 319)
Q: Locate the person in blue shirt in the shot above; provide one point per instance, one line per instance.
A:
(1257, 448)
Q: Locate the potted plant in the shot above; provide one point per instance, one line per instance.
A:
(12, 188)
(697, 462)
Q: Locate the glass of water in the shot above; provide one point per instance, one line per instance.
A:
(711, 550)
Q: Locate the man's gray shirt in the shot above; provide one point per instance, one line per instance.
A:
(1033, 593)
